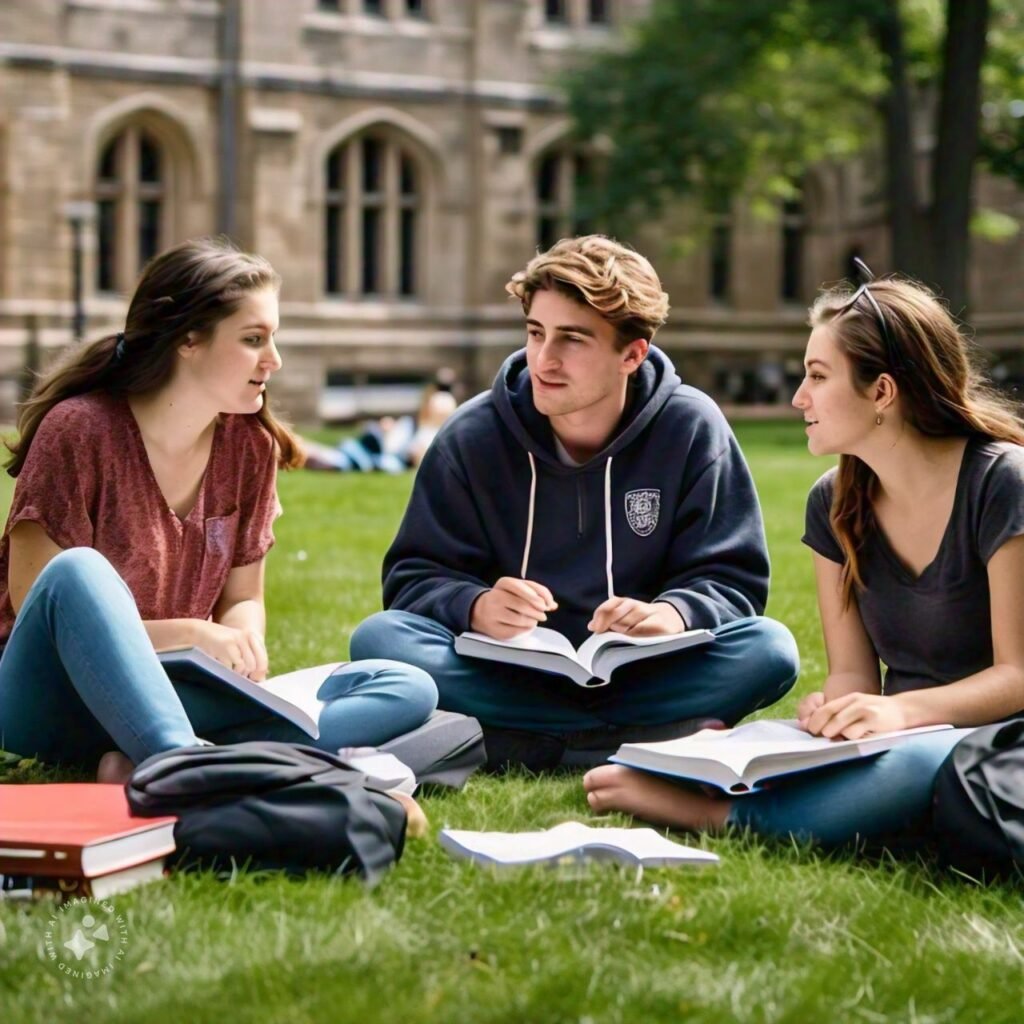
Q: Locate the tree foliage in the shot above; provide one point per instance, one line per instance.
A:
(711, 96)
(1002, 139)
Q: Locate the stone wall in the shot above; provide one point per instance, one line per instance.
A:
(467, 92)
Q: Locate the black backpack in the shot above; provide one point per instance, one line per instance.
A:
(978, 804)
(270, 806)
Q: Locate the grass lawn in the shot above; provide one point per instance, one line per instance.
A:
(777, 933)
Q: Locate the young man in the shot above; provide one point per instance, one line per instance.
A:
(589, 490)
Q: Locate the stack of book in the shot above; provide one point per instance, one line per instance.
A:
(77, 839)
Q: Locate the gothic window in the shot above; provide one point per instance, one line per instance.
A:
(562, 183)
(575, 14)
(793, 229)
(131, 204)
(720, 250)
(555, 12)
(372, 216)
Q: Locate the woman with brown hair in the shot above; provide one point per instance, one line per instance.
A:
(918, 541)
(146, 465)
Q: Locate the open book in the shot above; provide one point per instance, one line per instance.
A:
(739, 760)
(572, 841)
(293, 695)
(592, 664)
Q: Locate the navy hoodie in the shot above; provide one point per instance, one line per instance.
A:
(666, 512)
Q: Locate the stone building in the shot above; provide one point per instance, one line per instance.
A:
(395, 160)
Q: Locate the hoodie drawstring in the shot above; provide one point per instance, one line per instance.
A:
(607, 521)
(608, 525)
(529, 516)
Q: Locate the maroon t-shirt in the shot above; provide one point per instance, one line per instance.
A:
(87, 481)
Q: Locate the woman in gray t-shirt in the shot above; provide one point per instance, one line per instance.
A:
(918, 541)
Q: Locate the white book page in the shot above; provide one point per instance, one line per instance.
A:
(569, 838)
(642, 843)
(593, 646)
(737, 748)
(547, 641)
(300, 687)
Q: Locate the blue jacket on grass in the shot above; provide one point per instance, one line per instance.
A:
(667, 512)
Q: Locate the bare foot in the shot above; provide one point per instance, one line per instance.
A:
(416, 820)
(615, 788)
(114, 767)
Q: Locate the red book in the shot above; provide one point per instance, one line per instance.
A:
(76, 830)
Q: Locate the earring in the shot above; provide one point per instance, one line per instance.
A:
(878, 419)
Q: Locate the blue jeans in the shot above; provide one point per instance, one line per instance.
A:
(882, 796)
(752, 663)
(79, 677)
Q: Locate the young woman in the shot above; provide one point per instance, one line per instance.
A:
(918, 541)
(146, 465)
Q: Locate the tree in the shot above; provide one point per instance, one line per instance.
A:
(712, 95)
(1002, 140)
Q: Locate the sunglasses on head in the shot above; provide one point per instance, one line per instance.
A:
(896, 362)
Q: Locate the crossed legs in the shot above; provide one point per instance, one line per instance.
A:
(864, 799)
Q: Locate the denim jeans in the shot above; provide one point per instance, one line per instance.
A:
(887, 795)
(752, 663)
(79, 677)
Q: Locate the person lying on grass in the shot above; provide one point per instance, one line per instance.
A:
(146, 464)
(388, 445)
(919, 559)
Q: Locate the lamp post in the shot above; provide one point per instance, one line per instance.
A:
(79, 213)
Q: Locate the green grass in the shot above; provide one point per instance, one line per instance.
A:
(777, 933)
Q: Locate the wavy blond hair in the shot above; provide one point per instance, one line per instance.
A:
(612, 279)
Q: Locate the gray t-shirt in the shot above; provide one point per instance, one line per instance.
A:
(935, 628)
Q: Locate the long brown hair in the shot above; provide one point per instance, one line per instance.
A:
(942, 393)
(188, 288)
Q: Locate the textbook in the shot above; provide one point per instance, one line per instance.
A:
(292, 695)
(79, 836)
(27, 887)
(573, 842)
(740, 760)
(592, 664)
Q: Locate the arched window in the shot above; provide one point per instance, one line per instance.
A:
(131, 202)
(720, 243)
(793, 230)
(564, 177)
(555, 12)
(372, 218)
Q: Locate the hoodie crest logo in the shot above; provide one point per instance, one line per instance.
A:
(642, 508)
